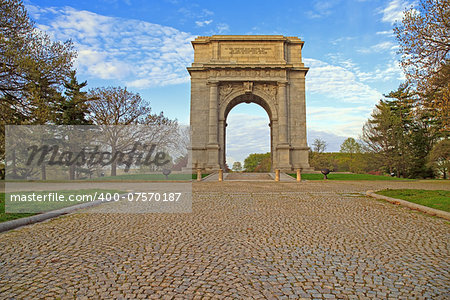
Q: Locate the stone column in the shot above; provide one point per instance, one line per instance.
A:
(283, 147)
(222, 143)
(213, 112)
(282, 113)
(199, 174)
(213, 142)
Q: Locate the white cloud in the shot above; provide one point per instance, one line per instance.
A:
(313, 15)
(390, 71)
(378, 48)
(338, 121)
(394, 11)
(333, 91)
(137, 53)
(341, 40)
(246, 134)
(203, 23)
(338, 83)
(385, 32)
(322, 8)
(222, 28)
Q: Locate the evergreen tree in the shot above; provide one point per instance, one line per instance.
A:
(400, 135)
(74, 109)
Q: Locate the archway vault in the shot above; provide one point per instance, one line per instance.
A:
(267, 70)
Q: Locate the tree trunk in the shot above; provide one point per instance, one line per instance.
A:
(13, 164)
(113, 168)
(43, 172)
(72, 172)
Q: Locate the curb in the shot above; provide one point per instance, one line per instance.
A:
(425, 209)
(13, 224)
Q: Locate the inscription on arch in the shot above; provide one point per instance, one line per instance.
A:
(248, 50)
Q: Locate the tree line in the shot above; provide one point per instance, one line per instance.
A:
(407, 134)
(408, 131)
(39, 85)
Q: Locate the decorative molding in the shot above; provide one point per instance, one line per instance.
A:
(268, 89)
(248, 87)
(225, 90)
(252, 73)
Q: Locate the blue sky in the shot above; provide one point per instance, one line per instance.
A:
(145, 46)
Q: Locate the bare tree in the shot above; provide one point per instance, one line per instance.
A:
(117, 106)
(319, 146)
(424, 38)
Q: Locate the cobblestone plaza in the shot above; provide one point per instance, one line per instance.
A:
(243, 240)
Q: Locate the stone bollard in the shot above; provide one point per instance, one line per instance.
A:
(220, 175)
(199, 174)
(277, 175)
(299, 175)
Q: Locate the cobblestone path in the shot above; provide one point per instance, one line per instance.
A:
(272, 240)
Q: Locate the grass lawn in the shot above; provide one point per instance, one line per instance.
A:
(332, 176)
(194, 176)
(24, 208)
(7, 217)
(434, 199)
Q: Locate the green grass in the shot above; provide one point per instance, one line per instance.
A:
(7, 217)
(25, 209)
(194, 176)
(332, 176)
(435, 199)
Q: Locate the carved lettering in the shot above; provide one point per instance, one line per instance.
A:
(259, 73)
(248, 50)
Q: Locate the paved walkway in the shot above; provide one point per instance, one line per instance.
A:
(248, 177)
(243, 239)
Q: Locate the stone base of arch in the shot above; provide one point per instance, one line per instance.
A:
(266, 70)
(285, 158)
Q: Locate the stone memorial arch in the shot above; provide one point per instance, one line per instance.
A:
(232, 69)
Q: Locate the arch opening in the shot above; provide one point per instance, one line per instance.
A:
(247, 130)
(248, 98)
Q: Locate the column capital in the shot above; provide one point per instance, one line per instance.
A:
(282, 83)
(213, 82)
